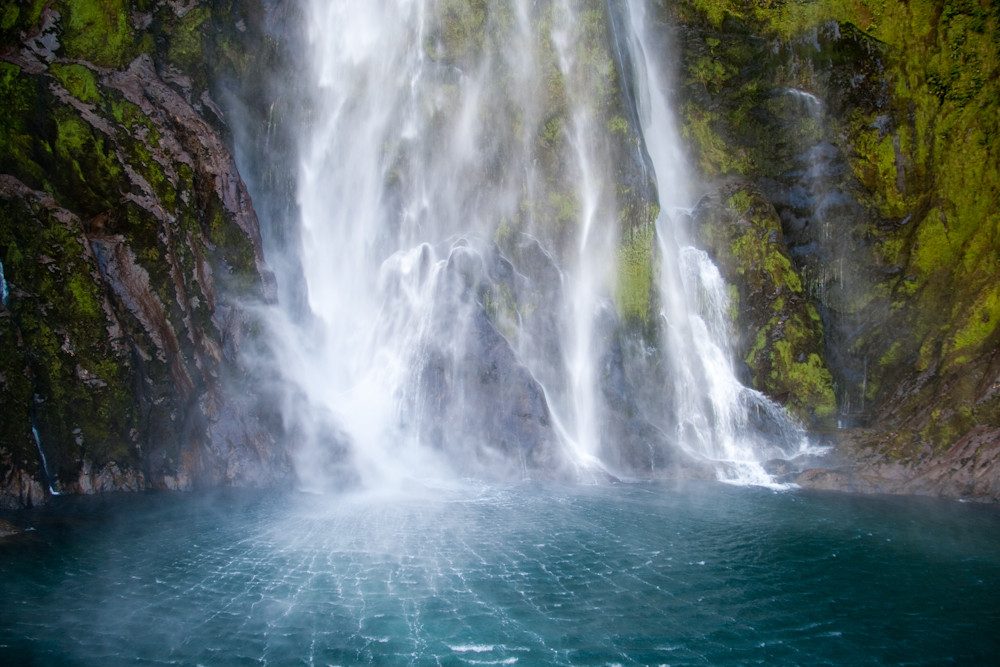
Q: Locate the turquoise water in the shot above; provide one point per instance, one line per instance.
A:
(695, 574)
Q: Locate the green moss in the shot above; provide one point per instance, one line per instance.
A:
(98, 31)
(875, 165)
(733, 302)
(19, 106)
(760, 261)
(981, 320)
(187, 36)
(9, 16)
(86, 167)
(78, 80)
(618, 125)
(231, 244)
(552, 131)
(135, 122)
(635, 276)
(715, 155)
(753, 356)
(740, 201)
(808, 381)
(565, 207)
(710, 72)
(19, 17)
(933, 249)
(84, 296)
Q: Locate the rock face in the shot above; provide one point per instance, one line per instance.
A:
(473, 399)
(850, 157)
(129, 249)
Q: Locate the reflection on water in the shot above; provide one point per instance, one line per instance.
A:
(471, 574)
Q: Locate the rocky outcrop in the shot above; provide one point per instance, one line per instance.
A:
(130, 252)
(868, 132)
(967, 470)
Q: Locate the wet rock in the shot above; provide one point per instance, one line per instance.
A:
(473, 398)
(131, 250)
(7, 529)
(777, 467)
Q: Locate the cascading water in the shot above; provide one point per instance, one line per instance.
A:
(461, 224)
(713, 411)
(4, 290)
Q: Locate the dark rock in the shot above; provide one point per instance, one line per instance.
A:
(7, 529)
(131, 248)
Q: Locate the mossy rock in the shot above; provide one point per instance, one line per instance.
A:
(781, 335)
(126, 237)
(80, 400)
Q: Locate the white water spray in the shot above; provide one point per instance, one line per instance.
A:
(459, 248)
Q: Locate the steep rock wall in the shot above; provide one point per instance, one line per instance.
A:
(871, 130)
(131, 254)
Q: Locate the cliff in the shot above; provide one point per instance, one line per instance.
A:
(131, 256)
(850, 155)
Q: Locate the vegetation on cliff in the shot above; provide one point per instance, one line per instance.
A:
(872, 129)
(126, 237)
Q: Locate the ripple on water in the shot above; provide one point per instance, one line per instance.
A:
(634, 574)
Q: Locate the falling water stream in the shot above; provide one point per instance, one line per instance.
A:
(461, 231)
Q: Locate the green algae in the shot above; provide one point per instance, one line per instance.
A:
(634, 293)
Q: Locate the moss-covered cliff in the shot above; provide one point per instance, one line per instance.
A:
(870, 129)
(128, 244)
(848, 152)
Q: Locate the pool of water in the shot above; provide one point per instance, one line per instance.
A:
(630, 574)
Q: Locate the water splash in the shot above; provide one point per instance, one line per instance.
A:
(459, 246)
(713, 413)
(417, 159)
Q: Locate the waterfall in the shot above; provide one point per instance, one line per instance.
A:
(461, 214)
(45, 463)
(713, 412)
(4, 289)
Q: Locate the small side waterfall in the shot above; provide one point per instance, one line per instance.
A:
(713, 412)
(463, 205)
(4, 289)
(45, 462)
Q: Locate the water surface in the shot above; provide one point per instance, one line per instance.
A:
(693, 574)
